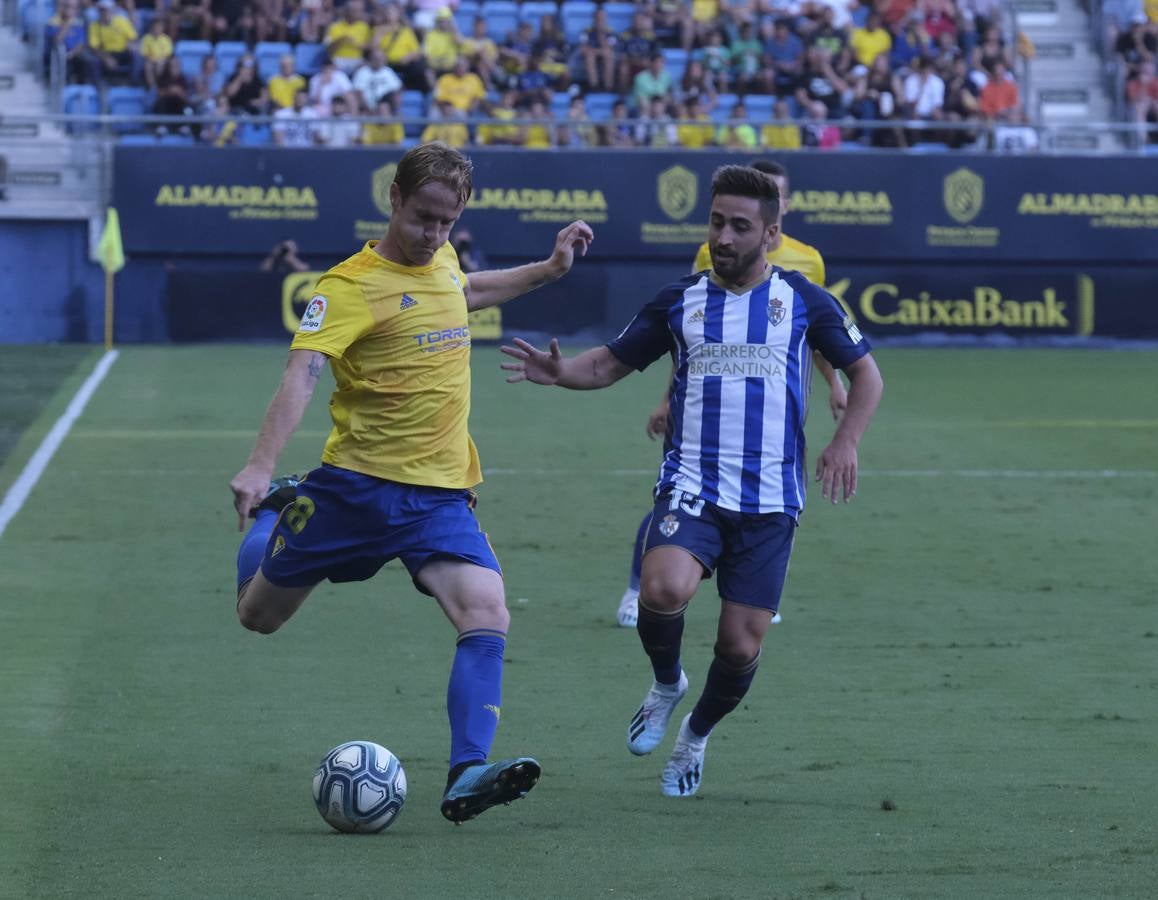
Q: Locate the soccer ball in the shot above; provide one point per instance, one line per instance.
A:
(359, 787)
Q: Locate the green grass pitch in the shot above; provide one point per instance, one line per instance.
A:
(974, 640)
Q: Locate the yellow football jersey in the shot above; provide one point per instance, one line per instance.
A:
(399, 347)
(791, 254)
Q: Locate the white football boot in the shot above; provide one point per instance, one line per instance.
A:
(628, 613)
(685, 767)
(646, 729)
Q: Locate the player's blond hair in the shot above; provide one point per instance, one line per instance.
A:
(434, 162)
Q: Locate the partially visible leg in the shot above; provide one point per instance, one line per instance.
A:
(628, 613)
(472, 597)
(264, 607)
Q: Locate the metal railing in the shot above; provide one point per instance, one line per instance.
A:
(923, 135)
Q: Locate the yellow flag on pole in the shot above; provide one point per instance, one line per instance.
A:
(110, 250)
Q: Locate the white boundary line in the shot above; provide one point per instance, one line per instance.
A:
(35, 467)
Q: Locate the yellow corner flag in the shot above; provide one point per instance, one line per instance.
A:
(110, 250)
(111, 253)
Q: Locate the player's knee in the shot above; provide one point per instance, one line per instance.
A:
(493, 612)
(738, 653)
(255, 620)
(664, 593)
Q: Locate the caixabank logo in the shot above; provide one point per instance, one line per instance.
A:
(959, 302)
(963, 198)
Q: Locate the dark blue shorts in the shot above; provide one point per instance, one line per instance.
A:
(748, 551)
(344, 526)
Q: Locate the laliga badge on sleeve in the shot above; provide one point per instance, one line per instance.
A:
(853, 332)
(314, 315)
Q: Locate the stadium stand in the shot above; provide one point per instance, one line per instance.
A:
(958, 65)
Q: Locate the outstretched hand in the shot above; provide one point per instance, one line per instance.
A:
(576, 237)
(836, 471)
(533, 364)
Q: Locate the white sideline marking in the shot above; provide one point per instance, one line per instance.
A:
(27, 479)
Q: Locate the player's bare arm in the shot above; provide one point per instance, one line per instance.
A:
(298, 381)
(497, 286)
(836, 469)
(837, 395)
(589, 371)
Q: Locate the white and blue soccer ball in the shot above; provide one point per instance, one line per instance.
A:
(360, 787)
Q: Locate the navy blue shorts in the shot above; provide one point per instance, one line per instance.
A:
(749, 551)
(344, 526)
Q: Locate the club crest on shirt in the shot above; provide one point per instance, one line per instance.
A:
(669, 526)
(314, 315)
(776, 310)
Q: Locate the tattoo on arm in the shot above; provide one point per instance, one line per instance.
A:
(317, 363)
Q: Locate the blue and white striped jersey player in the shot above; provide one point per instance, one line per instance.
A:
(732, 482)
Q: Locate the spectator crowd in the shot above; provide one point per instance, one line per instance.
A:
(1132, 33)
(741, 74)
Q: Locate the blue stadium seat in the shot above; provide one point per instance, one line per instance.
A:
(534, 11)
(413, 106)
(465, 15)
(308, 58)
(144, 20)
(723, 107)
(576, 17)
(126, 101)
(177, 140)
(255, 135)
(80, 100)
(760, 107)
(620, 15)
(138, 140)
(228, 53)
(267, 54)
(599, 106)
(502, 18)
(191, 53)
(560, 103)
(675, 60)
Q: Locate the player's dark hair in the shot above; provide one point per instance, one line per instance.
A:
(769, 167)
(434, 161)
(745, 181)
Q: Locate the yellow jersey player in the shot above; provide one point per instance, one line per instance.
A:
(398, 467)
(785, 253)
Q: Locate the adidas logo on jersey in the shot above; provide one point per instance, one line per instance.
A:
(407, 302)
(697, 316)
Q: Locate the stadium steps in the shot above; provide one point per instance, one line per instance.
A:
(1066, 81)
(50, 175)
